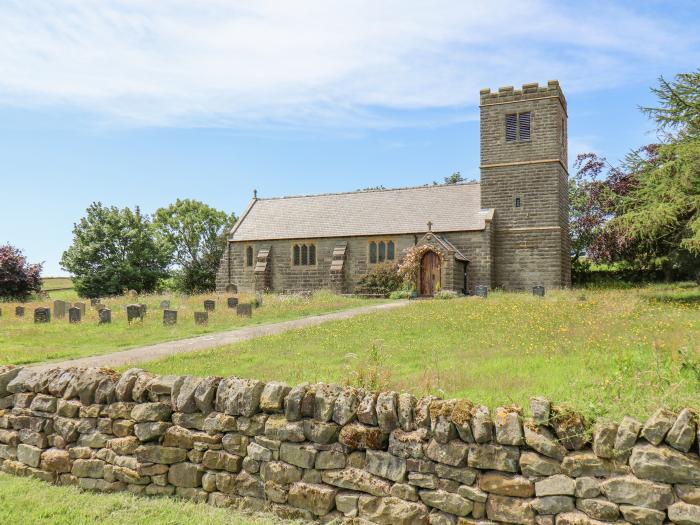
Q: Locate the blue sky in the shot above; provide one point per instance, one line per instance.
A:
(140, 103)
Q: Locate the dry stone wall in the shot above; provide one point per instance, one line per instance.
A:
(331, 454)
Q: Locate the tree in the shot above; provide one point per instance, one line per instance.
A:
(196, 236)
(114, 249)
(18, 279)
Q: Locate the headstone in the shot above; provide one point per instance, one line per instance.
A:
(231, 288)
(144, 309)
(99, 307)
(82, 308)
(201, 318)
(0, 312)
(94, 301)
(132, 293)
(169, 317)
(232, 302)
(165, 304)
(209, 305)
(74, 314)
(538, 290)
(244, 310)
(481, 291)
(42, 315)
(59, 309)
(133, 311)
(19, 311)
(258, 300)
(105, 316)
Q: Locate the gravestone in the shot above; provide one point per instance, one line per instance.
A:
(244, 310)
(231, 288)
(0, 312)
(82, 308)
(42, 315)
(258, 300)
(132, 293)
(133, 311)
(105, 316)
(165, 304)
(232, 302)
(481, 291)
(75, 314)
(169, 317)
(201, 318)
(19, 311)
(144, 309)
(99, 307)
(94, 301)
(538, 290)
(59, 309)
(209, 305)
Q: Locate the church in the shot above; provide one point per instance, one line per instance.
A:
(509, 230)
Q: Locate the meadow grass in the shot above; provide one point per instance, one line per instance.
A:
(604, 352)
(56, 283)
(27, 501)
(23, 342)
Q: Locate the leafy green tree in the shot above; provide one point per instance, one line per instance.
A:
(196, 236)
(114, 249)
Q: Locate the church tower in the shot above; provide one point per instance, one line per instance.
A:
(524, 178)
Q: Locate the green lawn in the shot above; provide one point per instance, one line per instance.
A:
(26, 501)
(23, 342)
(56, 283)
(604, 352)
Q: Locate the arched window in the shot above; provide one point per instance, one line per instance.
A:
(373, 252)
(312, 254)
(297, 255)
(390, 251)
(304, 255)
(249, 256)
(382, 251)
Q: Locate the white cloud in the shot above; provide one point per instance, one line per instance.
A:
(314, 62)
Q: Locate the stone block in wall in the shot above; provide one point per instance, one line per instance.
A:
(664, 464)
(356, 479)
(510, 510)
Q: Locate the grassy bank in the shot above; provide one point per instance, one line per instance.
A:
(23, 342)
(25, 501)
(605, 352)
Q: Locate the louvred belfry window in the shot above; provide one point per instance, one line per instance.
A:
(524, 126)
(511, 127)
(518, 127)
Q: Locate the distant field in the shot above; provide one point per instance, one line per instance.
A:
(26, 501)
(56, 283)
(605, 352)
(23, 342)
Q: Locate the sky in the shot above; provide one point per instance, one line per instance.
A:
(139, 103)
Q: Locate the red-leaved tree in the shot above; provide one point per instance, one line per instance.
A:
(18, 279)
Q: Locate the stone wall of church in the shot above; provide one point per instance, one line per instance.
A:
(286, 277)
(331, 454)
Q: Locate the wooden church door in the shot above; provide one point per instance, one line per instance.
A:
(429, 274)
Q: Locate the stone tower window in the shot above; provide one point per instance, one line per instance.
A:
(249, 256)
(518, 127)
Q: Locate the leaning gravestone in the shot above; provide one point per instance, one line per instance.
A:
(481, 291)
(59, 309)
(165, 304)
(82, 308)
(42, 315)
(232, 302)
(538, 290)
(105, 316)
(19, 311)
(244, 310)
(169, 317)
(231, 288)
(134, 311)
(209, 305)
(201, 318)
(74, 314)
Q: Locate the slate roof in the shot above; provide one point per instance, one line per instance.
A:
(453, 207)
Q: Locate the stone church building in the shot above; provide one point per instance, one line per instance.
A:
(510, 230)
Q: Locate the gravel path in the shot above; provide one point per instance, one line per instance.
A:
(157, 351)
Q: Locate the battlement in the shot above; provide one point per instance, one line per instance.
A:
(527, 92)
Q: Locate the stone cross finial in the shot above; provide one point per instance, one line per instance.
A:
(255, 194)
(430, 226)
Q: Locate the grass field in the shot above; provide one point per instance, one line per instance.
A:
(56, 283)
(604, 352)
(26, 501)
(23, 342)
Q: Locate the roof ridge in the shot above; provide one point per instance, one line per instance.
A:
(373, 190)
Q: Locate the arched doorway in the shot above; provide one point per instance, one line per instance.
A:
(429, 274)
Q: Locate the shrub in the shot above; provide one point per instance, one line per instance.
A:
(18, 279)
(401, 294)
(446, 294)
(383, 278)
